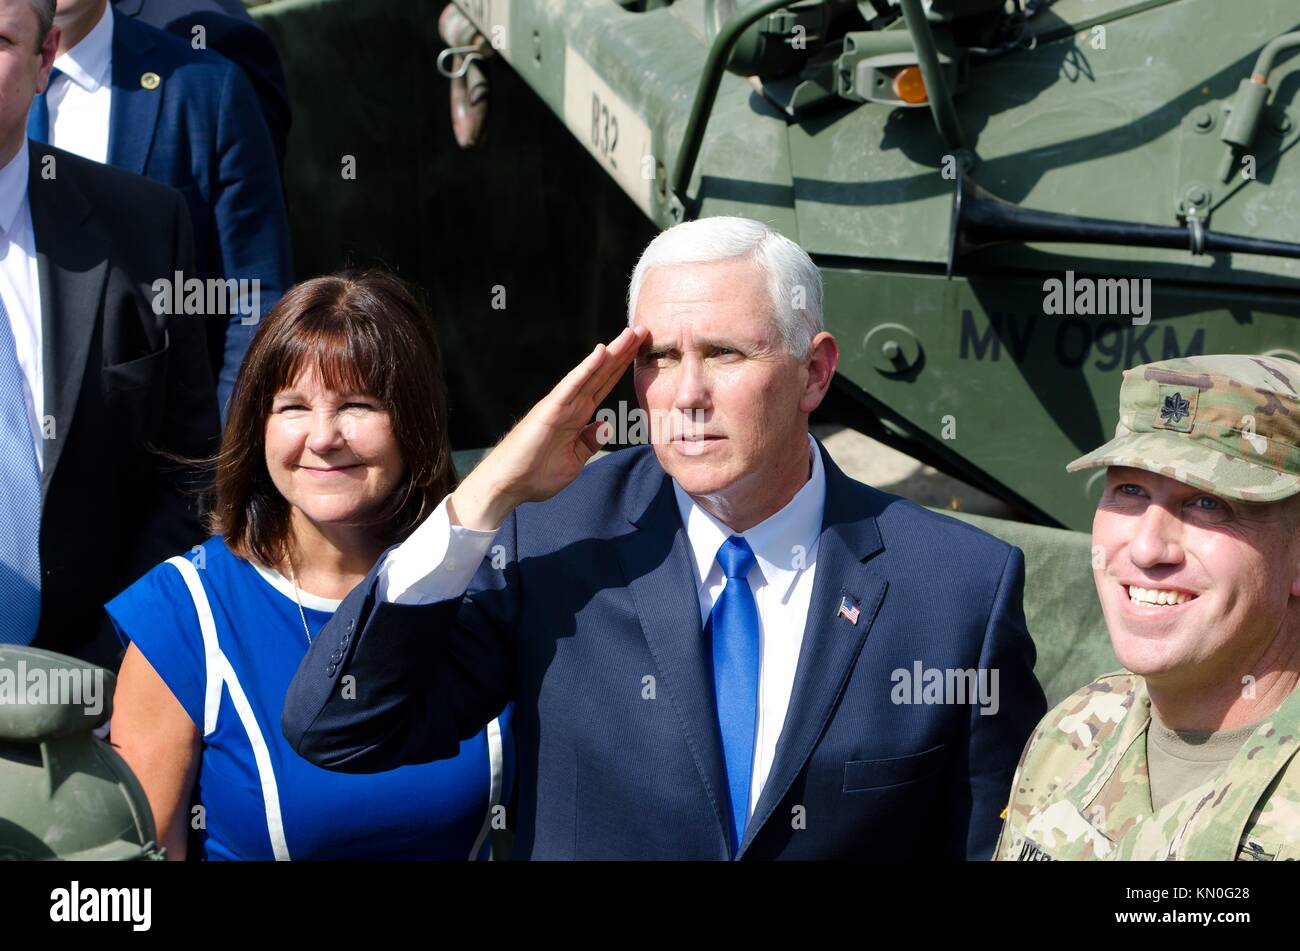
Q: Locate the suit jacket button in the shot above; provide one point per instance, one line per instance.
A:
(351, 625)
(330, 670)
(335, 658)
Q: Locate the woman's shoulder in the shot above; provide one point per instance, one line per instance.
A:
(165, 595)
(159, 615)
(169, 574)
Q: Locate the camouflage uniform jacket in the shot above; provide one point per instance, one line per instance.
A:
(1081, 789)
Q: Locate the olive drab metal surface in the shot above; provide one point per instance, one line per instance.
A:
(64, 793)
(1128, 189)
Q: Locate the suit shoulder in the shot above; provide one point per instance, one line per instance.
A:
(620, 462)
(106, 185)
(616, 471)
(599, 488)
(174, 52)
(903, 518)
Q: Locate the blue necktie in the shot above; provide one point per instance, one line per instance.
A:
(38, 116)
(20, 501)
(734, 621)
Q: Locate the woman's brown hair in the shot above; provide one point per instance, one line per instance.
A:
(363, 332)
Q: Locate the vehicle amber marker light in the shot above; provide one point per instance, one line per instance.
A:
(910, 87)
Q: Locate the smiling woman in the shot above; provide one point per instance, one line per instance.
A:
(341, 405)
(335, 449)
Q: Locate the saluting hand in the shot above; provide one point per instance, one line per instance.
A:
(547, 449)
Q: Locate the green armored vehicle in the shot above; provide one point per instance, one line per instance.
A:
(1011, 203)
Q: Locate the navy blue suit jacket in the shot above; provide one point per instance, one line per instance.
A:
(594, 591)
(233, 33)
(202, 132)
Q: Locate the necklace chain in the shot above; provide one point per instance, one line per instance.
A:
(302, 614)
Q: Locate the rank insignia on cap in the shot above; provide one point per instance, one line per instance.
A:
(1176, 408)
(848, 609)
(150, 81)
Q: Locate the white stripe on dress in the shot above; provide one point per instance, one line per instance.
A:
(211, 649)
(496, 766)
(219, 671)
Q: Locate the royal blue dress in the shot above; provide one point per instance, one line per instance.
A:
(260, 799)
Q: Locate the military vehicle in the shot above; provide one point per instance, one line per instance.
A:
(1011, 202)
(65, 794)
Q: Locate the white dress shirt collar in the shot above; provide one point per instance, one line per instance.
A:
(89, 64)
(13, 188)
(777, 542)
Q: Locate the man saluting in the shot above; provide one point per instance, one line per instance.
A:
(699, 635)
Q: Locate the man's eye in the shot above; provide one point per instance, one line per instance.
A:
(724, 351)
(1209, 503)
(1128, 488)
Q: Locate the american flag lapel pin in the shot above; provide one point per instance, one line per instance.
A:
(848, 609)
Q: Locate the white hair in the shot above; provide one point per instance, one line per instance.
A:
(793, 281)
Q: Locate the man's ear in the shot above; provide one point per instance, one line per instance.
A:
(823, 357)
(49, 52)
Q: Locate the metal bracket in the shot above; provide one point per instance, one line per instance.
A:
(471, 53)
(1198, 189)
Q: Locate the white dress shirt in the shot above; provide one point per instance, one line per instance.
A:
(438, 560)
(20, 287)
(81, 100)
(785, 559)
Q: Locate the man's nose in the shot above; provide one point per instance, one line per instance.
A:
(692, 383)
(1157, 538)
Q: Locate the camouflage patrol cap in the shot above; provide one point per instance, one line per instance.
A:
(1227, 424)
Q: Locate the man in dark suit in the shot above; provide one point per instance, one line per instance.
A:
(133, 96)
(719, 646)
(94, 380)
(228, 29)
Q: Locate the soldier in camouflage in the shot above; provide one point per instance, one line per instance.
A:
(1190, 752)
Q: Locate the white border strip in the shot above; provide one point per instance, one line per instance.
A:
(211, 649)
(219, 671)
(496, 766)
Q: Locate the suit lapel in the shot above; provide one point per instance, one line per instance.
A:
(133, 115)
(72, 251)
(657, 563)
(831, 644)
